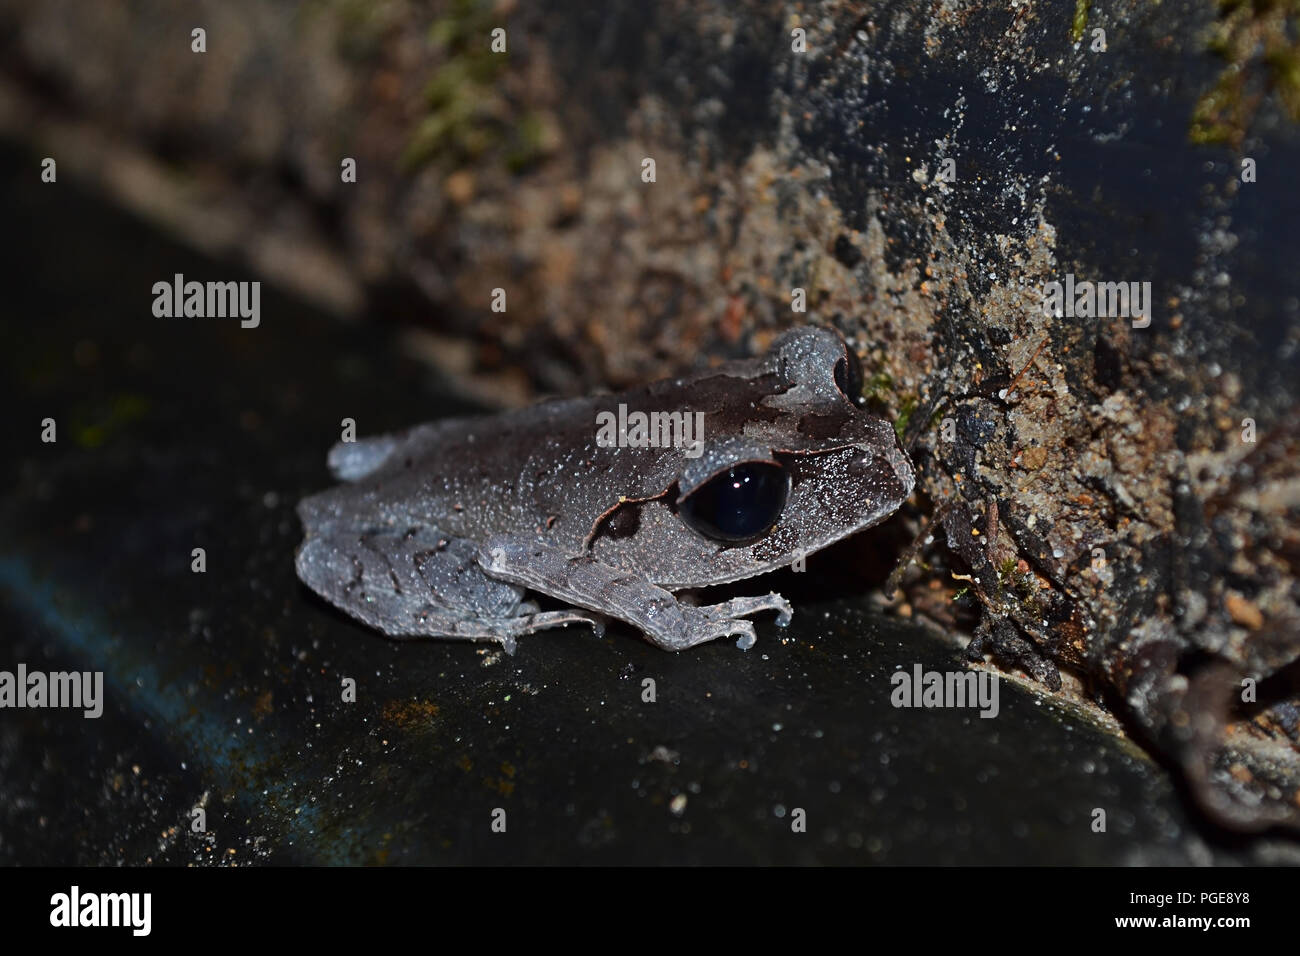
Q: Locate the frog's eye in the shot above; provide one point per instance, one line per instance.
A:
(738, 504)
(848, 376)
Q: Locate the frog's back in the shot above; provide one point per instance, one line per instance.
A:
(537, 470)
(540, 470)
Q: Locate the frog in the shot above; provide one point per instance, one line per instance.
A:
(458, 528)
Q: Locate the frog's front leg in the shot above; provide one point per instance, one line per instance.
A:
(585, 582)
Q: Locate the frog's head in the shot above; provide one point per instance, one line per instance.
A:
(789, 465)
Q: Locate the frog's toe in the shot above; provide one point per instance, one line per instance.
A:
(747, 638)
(353, 460)
(784, 612)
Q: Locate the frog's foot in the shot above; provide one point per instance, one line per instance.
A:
(528, 618)
(726, 619)
(585, 582)
(363, 457)
(354, 460)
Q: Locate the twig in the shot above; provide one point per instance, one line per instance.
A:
(1021, 374)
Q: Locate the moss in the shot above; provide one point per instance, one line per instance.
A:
(1284, 66)
(878, 387)
(906, 407)
(359, 27)
(1256, 39)
(878, 392)
(1026, 589)
(466, 115)
(94, 429)
(1219, 117)
(1080, 22)
(528, 143)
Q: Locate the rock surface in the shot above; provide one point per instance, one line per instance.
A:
(1119, 499)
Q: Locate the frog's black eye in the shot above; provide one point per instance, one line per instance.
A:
(848, 376)
(738, 504)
